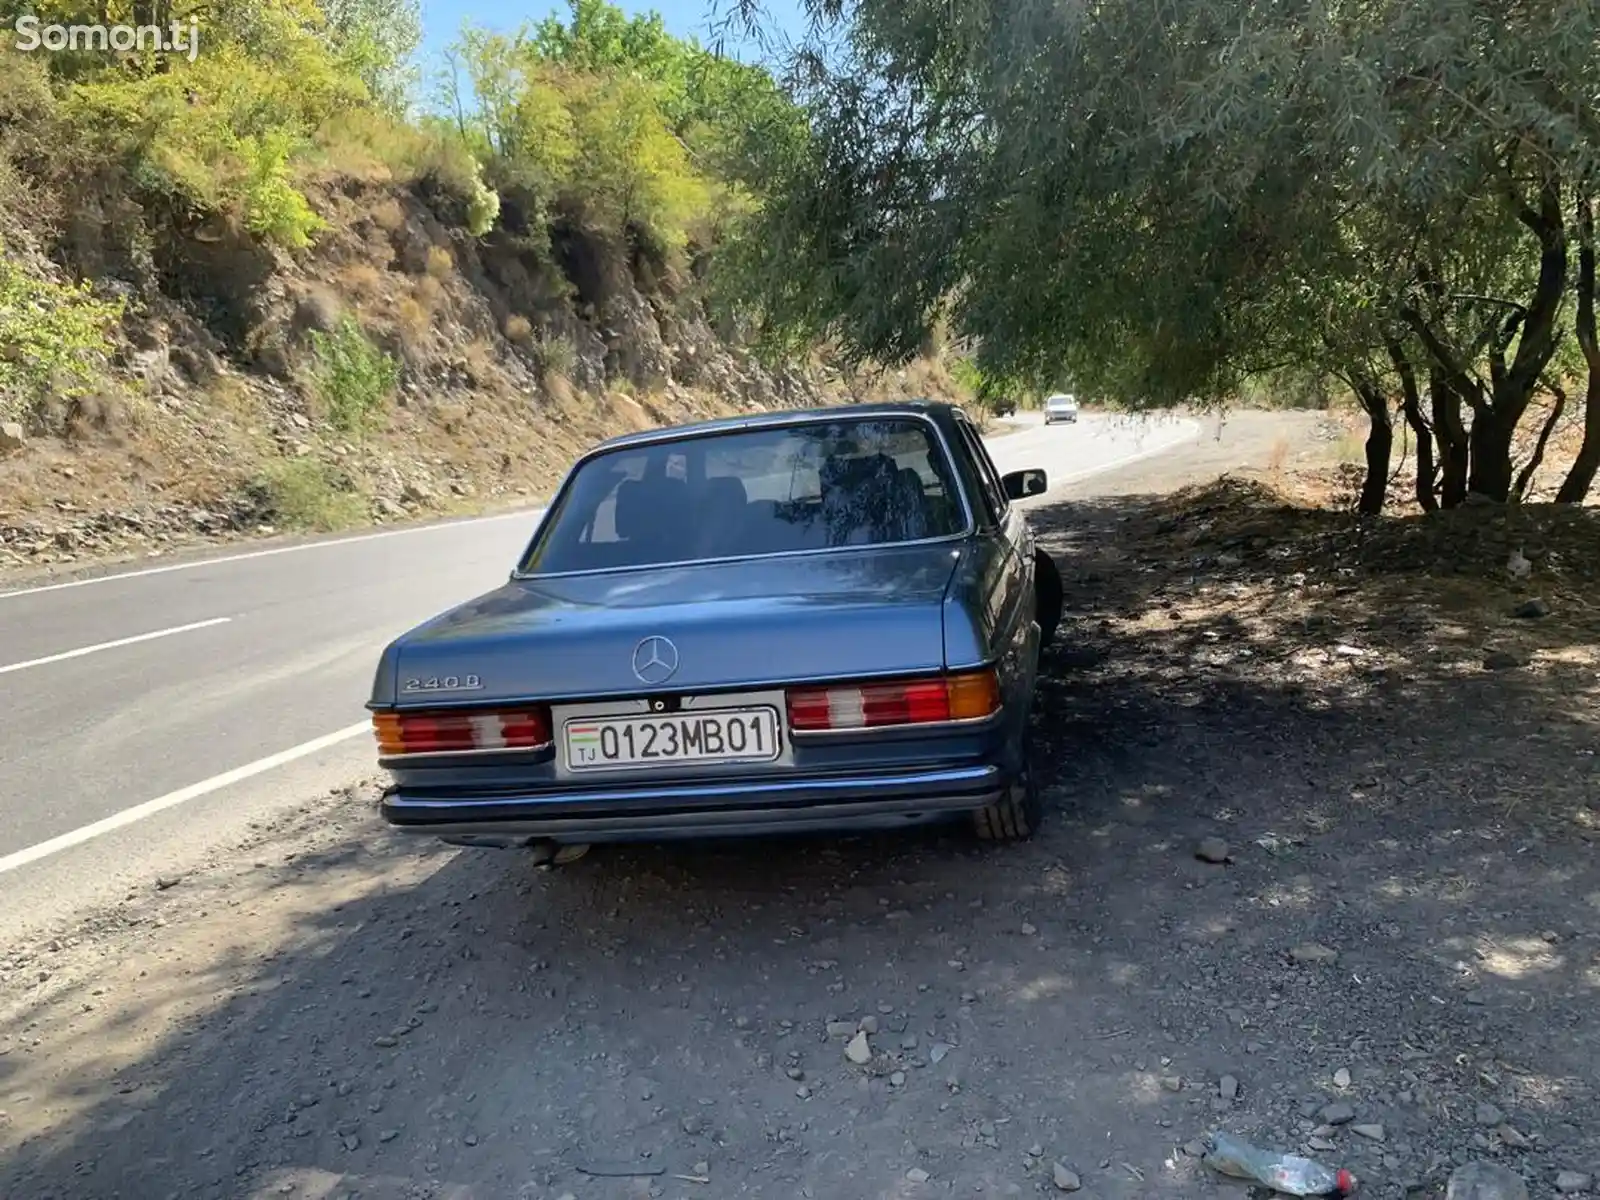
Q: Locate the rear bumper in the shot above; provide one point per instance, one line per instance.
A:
(732, 808)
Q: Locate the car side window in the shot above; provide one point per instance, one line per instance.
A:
(994, 495)
(991, 471)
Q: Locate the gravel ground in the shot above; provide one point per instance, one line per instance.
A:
(1313, 873)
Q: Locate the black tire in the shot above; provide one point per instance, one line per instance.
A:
(1017, 815)
(1048, 597)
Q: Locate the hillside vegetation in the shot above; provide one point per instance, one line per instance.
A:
(265, 289)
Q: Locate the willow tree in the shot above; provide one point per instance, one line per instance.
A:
(1161, 202)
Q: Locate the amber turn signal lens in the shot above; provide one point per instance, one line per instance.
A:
(456, 731)
(386, 728)
(973, 696)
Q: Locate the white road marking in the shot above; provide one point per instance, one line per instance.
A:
(172, 799)
(231, 558)
(99, 646)
(1125, 460)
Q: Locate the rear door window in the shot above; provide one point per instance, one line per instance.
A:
(813, 485)
(994, 494)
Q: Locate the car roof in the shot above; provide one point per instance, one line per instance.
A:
(1059, 396)
(789, 416)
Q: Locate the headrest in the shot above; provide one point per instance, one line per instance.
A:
(725, 491)
(643, 504)
(852, 473)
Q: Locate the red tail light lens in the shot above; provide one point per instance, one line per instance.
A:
(455, 731)
(965, 697)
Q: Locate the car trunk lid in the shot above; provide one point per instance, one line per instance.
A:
(739, 624)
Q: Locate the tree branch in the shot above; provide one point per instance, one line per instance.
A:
(1500, 301)
(1580, 476)
(1525, 213)
(1538, 342)
(1519, 490)
(1500, 343)
(1422, 431)
(1454, 370)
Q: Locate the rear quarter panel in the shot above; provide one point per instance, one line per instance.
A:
(989, 617)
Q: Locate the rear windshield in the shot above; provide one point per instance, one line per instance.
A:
(770, 491)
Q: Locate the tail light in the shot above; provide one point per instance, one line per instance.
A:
(966, 697)
(456, 731)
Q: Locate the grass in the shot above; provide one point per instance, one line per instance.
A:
(305, 494)
(363, 281)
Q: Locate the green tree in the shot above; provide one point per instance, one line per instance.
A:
(1165, 205)
(610, 121)
(631, 172)
(378, 40)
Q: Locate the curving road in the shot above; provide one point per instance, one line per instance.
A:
(148, 705)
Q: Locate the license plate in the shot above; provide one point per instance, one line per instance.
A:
(718, 735)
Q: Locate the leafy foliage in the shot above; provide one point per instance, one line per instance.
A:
(53, 339)
(303, 493)
(1164, 206)
(232, 129)
(611, 122)
(354, 379)
(376, 40)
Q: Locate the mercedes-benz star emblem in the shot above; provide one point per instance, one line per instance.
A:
(655, 660)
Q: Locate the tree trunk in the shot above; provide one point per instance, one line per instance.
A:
(1380, 446)
(1489, 444)
(1454, 453)
(1535, 328)
(1411, 403)
(1580, 478)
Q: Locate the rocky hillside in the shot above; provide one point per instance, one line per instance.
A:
(220, 427)
(203, 339)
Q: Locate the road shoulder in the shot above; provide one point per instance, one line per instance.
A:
(1263, 876)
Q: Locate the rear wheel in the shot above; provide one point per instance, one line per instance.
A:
(1016, 816)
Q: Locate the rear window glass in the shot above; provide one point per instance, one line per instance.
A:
(813, 486)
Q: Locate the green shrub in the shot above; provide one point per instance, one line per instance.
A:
(553, 354)
(303, 493)
(997, 395)
(273, 208)
(613, 123)
(353, 378)
(967, 375)
(53, 339)
(228, 132)
(483, 208)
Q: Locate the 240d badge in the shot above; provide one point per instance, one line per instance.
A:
(444, 683)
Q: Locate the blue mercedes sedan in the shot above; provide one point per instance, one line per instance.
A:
(827, 620)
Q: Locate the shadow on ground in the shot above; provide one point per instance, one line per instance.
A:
(1411, 896)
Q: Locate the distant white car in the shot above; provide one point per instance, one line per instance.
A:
(1060, 407)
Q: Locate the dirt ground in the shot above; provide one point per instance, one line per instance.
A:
(1395, 966)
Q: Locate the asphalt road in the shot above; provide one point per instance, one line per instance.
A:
(141, 703)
